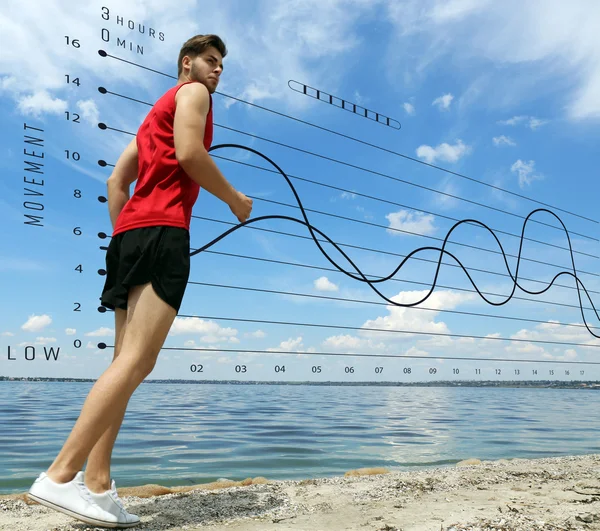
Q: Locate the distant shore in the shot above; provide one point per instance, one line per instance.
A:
(533, 384)
(548, 494)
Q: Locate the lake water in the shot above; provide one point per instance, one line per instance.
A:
(181, 434)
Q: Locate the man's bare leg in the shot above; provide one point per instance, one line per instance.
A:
(149, 320)
(97, 470)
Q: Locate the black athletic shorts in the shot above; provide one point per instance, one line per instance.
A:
(160, 255)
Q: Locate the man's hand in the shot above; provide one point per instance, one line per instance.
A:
(241, 207)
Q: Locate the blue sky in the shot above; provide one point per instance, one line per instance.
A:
(500, 93)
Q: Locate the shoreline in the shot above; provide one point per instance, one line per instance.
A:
(592, 385)
(549, 494)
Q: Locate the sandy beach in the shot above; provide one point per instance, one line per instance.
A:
(551, 494)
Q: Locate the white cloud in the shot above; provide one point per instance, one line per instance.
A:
(503, 141)
(525, 172)
(513, 121)
(555, 332)
(70, 331)
(258, 334)
(89, 111)
(455, 9)
(324, 284)
(7, 334)
(371, 339)
(560, 35)
(414, 351)
(410, 221)
(290, 345)
(532, 122)
(210, 339)
(350, 343)
(570, 354)
(209, 331)
(348, 195)
(101, 332)
(44, 340)
(551, 331)
(444, 152)
(35, 323)
(345, 342)
(294, 46)
(540, 46)
(443, 102)
(409, 108)
(40, 102)
(293, 345)
(449, 186)
(407, 318)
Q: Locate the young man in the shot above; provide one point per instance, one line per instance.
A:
(148, 262)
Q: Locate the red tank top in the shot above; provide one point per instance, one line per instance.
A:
(164, 194)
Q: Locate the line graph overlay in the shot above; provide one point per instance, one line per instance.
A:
(373, 279)
(247, 351)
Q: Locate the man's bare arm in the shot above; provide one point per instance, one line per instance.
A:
(124, 173)
(188, 131)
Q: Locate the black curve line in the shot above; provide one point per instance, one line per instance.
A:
(343, 163)
(352, 108)
(395, 203)
(382, 279)
(390, 253)
(103, 90)
(378, 225)
(391, 177)
(103, 53)
(326, 297)
(103, 163)
(442, 250)
(103, 235)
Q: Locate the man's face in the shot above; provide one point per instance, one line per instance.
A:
(207, 68)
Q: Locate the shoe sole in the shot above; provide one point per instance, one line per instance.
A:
(86, 519)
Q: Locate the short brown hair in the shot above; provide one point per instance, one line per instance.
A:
(196, 45)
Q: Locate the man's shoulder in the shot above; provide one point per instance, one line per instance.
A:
(194, 89)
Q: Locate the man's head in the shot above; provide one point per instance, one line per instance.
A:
(201, 59)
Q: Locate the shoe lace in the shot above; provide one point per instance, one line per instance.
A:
(115, 497)
(85, 493)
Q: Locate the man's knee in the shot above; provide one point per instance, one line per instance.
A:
(136, 368)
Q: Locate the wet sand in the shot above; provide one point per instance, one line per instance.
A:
(561, 493)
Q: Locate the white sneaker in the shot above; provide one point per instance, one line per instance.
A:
(71, 498)
(110, 502)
